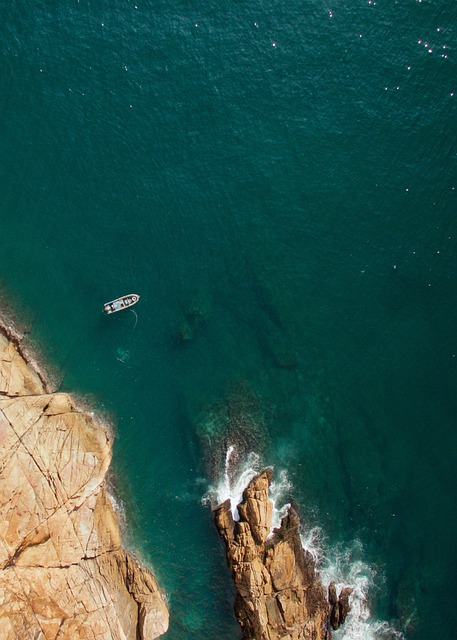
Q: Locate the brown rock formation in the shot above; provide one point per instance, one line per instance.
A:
(63, 572)
(280, 596)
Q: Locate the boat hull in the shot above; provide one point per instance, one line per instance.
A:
(119, 304)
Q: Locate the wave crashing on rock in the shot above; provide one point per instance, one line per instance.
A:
(279, 593)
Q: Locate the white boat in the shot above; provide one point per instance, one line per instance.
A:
(121, 303)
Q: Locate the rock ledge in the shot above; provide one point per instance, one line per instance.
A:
(63, 572)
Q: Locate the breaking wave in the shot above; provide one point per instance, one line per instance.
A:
(345, 567)
(279, 490)
(232, 488)
(229, 489)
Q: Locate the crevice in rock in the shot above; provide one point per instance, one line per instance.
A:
(16, 340)
(22, 547)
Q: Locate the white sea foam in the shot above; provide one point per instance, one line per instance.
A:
(345, 567)
(312, 540)
(118, 506)
(233, 490)
(278, 490)
(226, 489)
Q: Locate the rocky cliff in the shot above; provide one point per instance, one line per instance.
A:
(279, 593)
(63, 572)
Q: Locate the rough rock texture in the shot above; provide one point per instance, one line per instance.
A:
(63, 572)
(279, 594)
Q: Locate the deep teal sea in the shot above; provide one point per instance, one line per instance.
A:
(278, 181)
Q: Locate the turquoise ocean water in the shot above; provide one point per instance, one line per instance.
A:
(278, 182)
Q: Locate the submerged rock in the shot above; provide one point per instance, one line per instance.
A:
(279, 593)
(195, 316)
(238, 421)
(63, 571)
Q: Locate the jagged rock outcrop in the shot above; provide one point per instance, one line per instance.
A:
(339, 605)
(63, 572)
(279, 594)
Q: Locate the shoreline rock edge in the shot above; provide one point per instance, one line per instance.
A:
(63, 571)
(279, 593)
